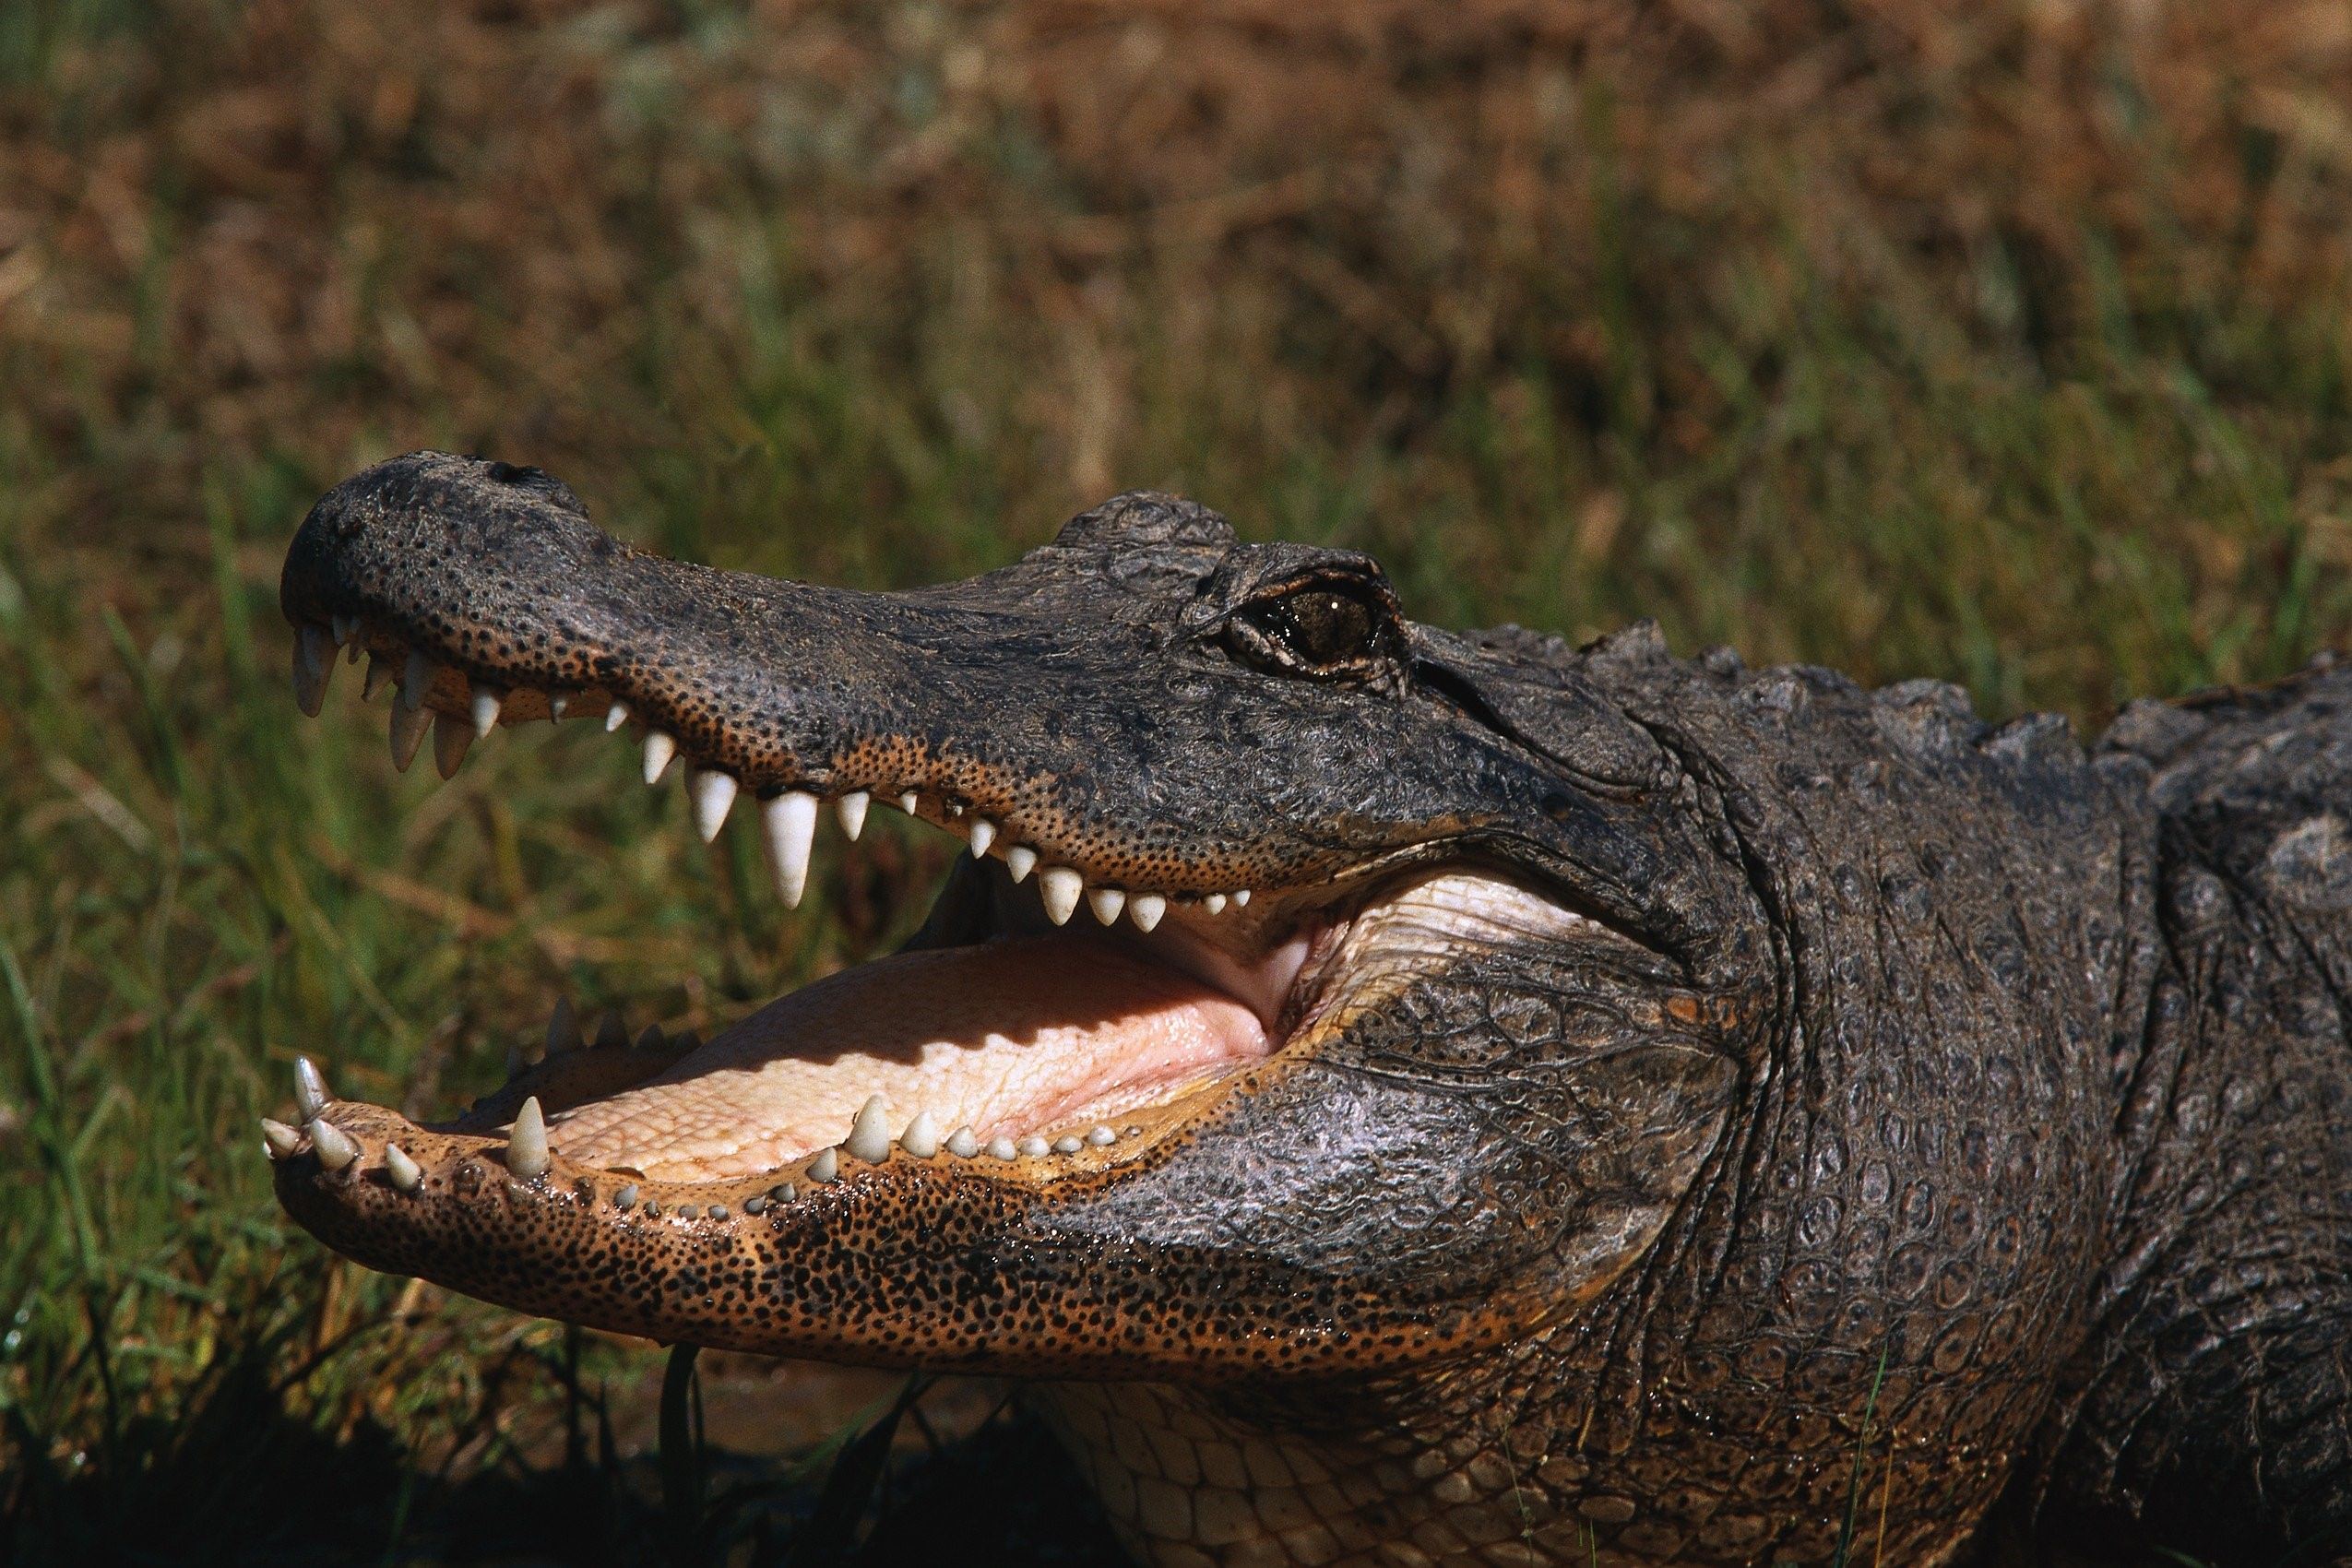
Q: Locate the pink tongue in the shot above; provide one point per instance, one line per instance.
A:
(1010, 1037)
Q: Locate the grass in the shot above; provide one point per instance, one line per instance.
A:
(1567, 328)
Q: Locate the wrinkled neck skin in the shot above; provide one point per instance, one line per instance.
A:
(1488, 1101)
(1888, 1202)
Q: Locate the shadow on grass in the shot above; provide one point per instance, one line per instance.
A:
(242, 1477)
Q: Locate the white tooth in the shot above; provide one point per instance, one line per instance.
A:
(416, 679)
(1145, 909)
(379, 669)
(962, 1143)
(334, 1145)
(609, 1030)
(1106, 903)
(409, 725)
(659, 749)
(714, 796)
(907, 802)
(1034, 1145)
(1068, 1143)
(1020, 859)
(624, 1197)
(484, 709)
(851, 809)
(650, 1038)
(279, 1138)
(983, 835)
(451, 737)
(1002, 1149)
(614, 717)
(404, 1171)
(1099, 1136)
(826, 1167)
(346, 628)
(788, 823)
(869, 1136)
(556, 703)
(527, 1144)
(313, 662)
(563, 1029)
(921, 1137)
(1059, 888)
(310, 1088)
(1241, 897)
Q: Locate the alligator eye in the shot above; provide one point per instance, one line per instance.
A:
(1322, 629)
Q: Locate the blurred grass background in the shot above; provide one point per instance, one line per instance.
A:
(2004, 341)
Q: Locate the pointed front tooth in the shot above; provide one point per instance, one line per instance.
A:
(527, 1144)
(1145, 909)
(869, 1136)
(404, 1171)
(409, 725)
(1241, 897)
(334, 1146)
(826, 1167)
(921, 1137)
(1059, 886)
(484, 709)
(346, 628)
(1101, 1136)
(1001, 1148)
(907, 802)
(310, 1088)
(614, 717)
(563, 1029)
(416, 678)
(1020, 859)
(983, 834)
(611, 1034)
(556, 703)
(714, 796)
(962, 1143)
(451, 737)
(1214, 903)
(279, 1138)
(852, 811)
(1106, 903)
(313, 662)
(379, 669)
(659, 749)
(788, 825)
(1033, 1146)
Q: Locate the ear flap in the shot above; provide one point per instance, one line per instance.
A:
(1525, 686)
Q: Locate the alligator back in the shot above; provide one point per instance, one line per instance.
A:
(2214, 1399)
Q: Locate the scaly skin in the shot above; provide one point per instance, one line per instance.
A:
(1912, 1087)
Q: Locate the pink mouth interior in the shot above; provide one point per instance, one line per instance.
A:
(1012, 1036)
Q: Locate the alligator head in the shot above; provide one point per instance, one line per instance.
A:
(1326, 1002)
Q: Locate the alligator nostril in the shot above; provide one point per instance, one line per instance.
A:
(512, 473)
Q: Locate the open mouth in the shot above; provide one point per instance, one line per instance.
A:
(1039, 1029)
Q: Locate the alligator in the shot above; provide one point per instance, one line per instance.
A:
(1397, 1096)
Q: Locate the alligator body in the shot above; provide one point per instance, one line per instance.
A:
(1405, 1097)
